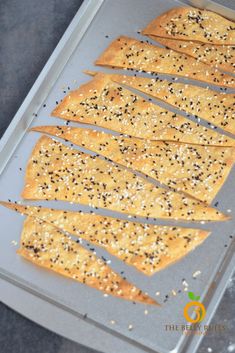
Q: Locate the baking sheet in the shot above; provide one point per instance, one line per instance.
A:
(148, 333)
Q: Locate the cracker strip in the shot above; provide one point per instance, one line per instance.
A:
(129, 53)
(57, 172)
(147, 247)
(199, 171)
(46, 246)
(105, 103)
(189, 23)
(217, 108)
(220, 56)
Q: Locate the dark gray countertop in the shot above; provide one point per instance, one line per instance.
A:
(30, 29)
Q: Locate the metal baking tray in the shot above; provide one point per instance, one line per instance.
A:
(74, 310)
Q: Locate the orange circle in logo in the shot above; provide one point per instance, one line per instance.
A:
(199, 310)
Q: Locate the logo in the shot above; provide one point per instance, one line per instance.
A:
(194, 311)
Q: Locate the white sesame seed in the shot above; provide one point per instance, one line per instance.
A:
(196, 274)
(231, 347)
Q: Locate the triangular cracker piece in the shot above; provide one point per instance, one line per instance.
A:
(147, 247)
(48, 247)
(105, 103)
(130, 53)
(199, 171)
(57, 172)
(189, 23)
(217, 108)
(220, 56)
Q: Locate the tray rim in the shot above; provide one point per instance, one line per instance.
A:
(58, 57)
(31, 104)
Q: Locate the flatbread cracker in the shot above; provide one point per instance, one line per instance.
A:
(147, 247)
(57, 172)
(48, 247)
(129, 53)
(217, 108)
(220, 56)
(105, 103)
(199, 171)
(189, 23)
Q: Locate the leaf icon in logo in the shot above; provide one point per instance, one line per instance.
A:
(192, 296)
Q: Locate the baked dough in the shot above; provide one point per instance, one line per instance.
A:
(199, 171)
(147, 247)
(129, 53)
(57, 172)
(217, 108)
(220, 56)
(189, 23)
(105, 103)
(48, 247)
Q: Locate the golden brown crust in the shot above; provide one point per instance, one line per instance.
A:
(217, 108)
(56, 171)
(189, 23)
(46, 246)
(220, 56)
(125, 52)
(105, 103)
(199, 171)
(149, 248)
(77, 97)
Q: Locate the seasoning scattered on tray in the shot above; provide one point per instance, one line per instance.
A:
(149, 248)
(129, 53)
(220, 56)
(189, 23)
(105, 103)
(199, 171)
(216, 108)
(57, 172)
(48, 247)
